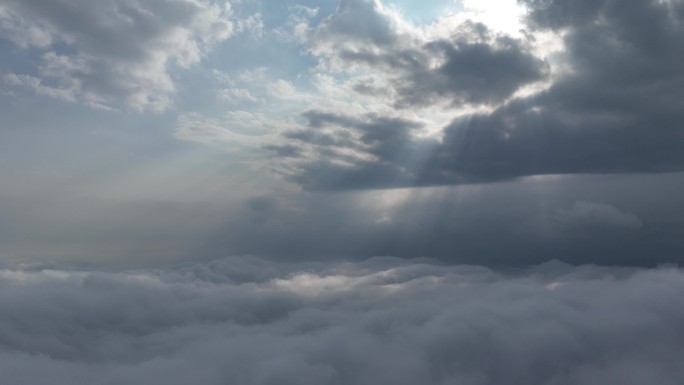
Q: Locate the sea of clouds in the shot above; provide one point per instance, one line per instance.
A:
(246, 320)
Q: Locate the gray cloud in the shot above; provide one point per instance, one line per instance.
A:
(478, 73)
(617, 112)
(352, 152)
(283, 151)
(591, 213)
(357, 21)
(472, 65)
(249, 321)
(618, 109)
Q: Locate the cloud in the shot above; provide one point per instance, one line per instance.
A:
(235, 129)
(612, 103)
(485, 70)
(617, 111)
(36, 85)
(119, 52)
(251, 321)
(591, 213)
(356, 22)
(349, 151)
(465, 64)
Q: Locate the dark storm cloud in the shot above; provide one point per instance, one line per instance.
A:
(617, 110)
(249, 321)
(478, 73)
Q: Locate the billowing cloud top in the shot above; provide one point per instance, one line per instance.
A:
(249, 321)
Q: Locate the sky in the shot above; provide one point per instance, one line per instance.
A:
(303, 174)
(489, 132)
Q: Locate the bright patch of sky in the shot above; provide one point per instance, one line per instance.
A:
(500, 15)
(424, 12)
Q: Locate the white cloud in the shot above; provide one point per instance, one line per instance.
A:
(283, 89)
(253, 24)
(23, 32)
(36, 85)
(116, 52)
(237, 94)
(296, 28)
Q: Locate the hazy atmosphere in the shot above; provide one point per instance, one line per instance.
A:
(471, 192)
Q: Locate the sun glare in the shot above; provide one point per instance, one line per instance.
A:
(503, 16)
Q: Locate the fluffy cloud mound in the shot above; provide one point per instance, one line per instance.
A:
(119, 51)
(383, 321)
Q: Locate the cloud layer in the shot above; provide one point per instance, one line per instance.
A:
(249, 321)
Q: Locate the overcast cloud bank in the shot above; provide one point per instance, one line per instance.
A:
(384, 321)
